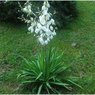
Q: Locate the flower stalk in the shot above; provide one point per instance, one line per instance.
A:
(42, 24)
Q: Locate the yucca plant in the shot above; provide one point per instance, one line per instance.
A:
(42, 74)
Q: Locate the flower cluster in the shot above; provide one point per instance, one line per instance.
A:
(43, 25)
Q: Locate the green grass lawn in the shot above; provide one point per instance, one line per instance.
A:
(15, 41)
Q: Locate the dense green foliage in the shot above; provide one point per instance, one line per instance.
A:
(65, 11)
(9, 11)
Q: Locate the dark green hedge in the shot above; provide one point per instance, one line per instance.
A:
(65, 11)
(9, 11)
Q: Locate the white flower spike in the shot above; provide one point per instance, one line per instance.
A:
(43, 27)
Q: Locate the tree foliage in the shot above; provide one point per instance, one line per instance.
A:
(64, 12)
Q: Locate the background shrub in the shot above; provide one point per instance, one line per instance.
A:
(9, 11)
(65, 11)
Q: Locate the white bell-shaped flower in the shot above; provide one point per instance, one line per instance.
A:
(54, 33)
(27, 9)
(39, 25)
(40, 39)
(51, 28)
(46, 42)
(48, 16)
(31, 29)
(51, 37)
(44, 12)
(48, 5)
(52, 21)
(42, 19)
(37, 30)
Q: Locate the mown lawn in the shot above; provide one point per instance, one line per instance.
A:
(77, 41)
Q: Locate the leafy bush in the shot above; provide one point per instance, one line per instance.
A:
(43, 74)
(9, 11)
(65, 11)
